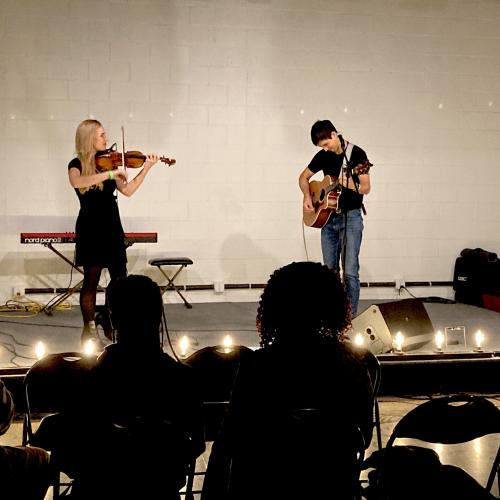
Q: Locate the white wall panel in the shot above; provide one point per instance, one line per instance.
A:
(230, 89)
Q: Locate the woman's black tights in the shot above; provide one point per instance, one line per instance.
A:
(91, 277)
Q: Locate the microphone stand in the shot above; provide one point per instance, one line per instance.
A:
(347, 174)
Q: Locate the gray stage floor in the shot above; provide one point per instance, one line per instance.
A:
(205, 324)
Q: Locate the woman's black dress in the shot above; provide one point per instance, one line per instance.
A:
(100, 240)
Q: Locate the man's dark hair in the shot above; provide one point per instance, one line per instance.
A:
(303, 301)
(322, 130)
(136, 307)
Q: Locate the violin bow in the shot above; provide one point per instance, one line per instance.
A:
(123, 150)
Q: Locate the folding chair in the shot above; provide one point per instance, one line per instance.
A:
(340, 446)
(374, 369)
(52, 385)
(182, 262)
(215, 368)
(140, 457)
(451, 420)
(299, 453)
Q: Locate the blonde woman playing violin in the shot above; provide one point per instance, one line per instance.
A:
(100, 240)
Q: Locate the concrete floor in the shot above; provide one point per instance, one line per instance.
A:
(475, 456)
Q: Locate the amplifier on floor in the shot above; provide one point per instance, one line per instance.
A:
(379, 324)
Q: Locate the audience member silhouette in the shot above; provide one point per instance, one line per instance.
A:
(146, 418)
(412, 472)
(25, 472)
(303, 364)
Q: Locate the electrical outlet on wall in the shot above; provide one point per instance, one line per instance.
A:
(17, 291)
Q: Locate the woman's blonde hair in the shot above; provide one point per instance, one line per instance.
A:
(85, 150)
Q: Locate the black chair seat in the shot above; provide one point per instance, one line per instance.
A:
(182, 262)
(171, 261)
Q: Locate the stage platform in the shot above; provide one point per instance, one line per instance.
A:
(417, 372)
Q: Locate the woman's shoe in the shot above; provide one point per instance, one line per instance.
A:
(102, 320)
(89, 332)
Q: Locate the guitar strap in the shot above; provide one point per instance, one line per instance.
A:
(347, 155)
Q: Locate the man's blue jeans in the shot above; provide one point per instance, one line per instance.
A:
(332, 246)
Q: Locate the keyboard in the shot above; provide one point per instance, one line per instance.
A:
(50, 238)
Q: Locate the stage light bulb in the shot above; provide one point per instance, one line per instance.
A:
(40, 350)
(439, 340)
(359, 339)
(183, 345)
(227, 342)
(399, 340)
(89, 347)
(479, 339)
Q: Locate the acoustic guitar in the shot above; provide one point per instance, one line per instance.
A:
(325, 196)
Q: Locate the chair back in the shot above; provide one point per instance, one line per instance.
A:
(452, 420)
(215, 369)
(141, 456)
(54, 384)
(373, 366)
(318, 433)
(449, 420)
(303, 453)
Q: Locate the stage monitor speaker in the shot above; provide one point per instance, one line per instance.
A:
(380, 322)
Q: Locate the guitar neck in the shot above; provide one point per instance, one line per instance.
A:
(362, 168)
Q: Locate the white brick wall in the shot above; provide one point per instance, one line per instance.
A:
(230, 89)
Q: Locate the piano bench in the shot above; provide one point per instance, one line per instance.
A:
(182, 262)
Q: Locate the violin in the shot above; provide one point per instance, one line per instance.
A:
(110, 158)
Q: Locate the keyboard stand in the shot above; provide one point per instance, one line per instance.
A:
(47, 239)
(47, 308)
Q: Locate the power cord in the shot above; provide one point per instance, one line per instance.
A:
(56, 297)
(12, 306)
(407, 291)
(164, 332)
(11, 348)
(304, 240)
(429, 299)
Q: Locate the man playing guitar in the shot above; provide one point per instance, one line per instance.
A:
(341, 234)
